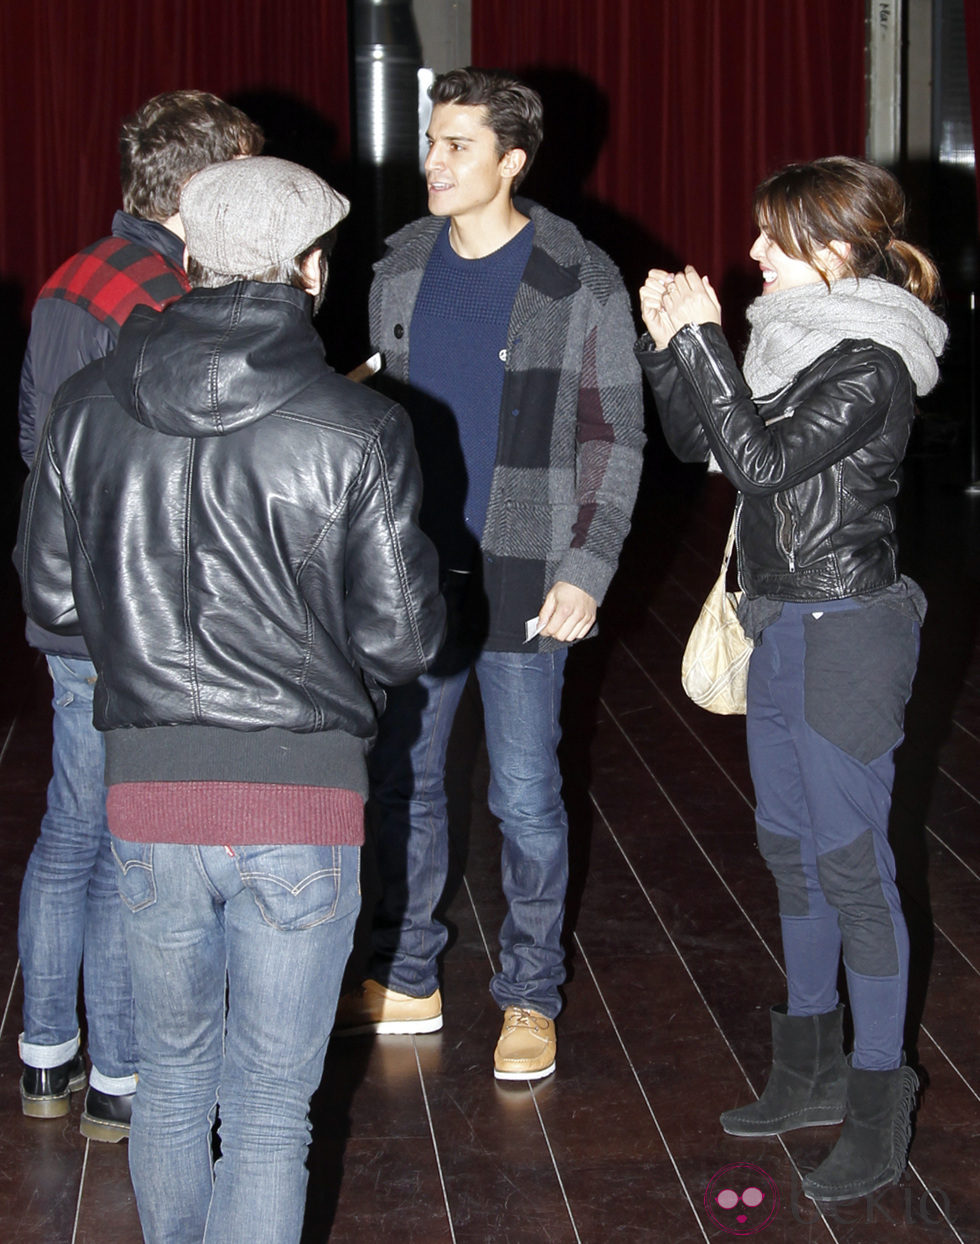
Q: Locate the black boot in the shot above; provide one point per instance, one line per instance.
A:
(807, 1079)
(45, 1091)
(106, 1116)
(874, 1141)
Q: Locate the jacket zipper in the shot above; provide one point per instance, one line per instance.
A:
(786, 531)
(712, 361)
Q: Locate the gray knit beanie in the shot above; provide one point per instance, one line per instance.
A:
(245, 216)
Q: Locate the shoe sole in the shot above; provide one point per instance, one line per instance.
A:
(52, 1107)
(45, 1107)
(836, 1117)
(98, 1129)
(400, 1027)
(523, 1075)
(834, 1196)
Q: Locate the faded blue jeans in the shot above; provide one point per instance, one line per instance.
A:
(275, 923)
(69, 904)
(521, 693)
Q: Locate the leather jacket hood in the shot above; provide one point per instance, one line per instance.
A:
(218, 360)
(231, 525)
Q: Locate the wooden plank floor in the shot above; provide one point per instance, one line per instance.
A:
(674, 957)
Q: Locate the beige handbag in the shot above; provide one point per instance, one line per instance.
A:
(715, 666)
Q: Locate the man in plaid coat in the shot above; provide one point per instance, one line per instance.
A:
(509, 339)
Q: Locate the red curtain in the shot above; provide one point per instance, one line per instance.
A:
(680, 107)
(70, 70)
(661, 114)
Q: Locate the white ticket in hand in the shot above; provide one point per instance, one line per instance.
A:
(531, 627)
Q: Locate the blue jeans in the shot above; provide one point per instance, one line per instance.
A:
(521, 695)
(69, 905)
(275, 923)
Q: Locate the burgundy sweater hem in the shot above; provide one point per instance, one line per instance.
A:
(235, 813)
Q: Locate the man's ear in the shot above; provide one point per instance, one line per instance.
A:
(311, 271)
(511, 162)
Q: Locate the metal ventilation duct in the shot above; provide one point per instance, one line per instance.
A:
(387, 59)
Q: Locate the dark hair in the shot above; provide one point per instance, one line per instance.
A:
(805, 207)
(288, 273)
(172, 137)
(514, 111)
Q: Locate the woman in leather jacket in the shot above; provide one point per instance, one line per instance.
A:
(812, 430)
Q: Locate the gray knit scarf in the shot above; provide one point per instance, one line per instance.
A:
(792, 328)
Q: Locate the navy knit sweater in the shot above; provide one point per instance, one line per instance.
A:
(459, 340)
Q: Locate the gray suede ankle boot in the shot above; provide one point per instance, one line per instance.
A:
(874, 1141)
(807, 1081)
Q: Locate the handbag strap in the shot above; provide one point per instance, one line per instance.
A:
(729, 544)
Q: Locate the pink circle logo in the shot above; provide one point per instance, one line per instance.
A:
(741, 1198)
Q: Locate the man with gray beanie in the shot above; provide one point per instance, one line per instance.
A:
(232, 526)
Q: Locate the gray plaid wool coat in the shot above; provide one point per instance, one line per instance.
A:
(570, 436)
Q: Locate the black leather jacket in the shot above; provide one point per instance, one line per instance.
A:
(242, 548)
(817, 464)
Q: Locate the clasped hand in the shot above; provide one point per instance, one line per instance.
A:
(669, 300)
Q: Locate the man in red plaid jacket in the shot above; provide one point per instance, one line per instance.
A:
(69, 900)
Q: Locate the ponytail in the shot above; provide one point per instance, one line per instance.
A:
(914, 271)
